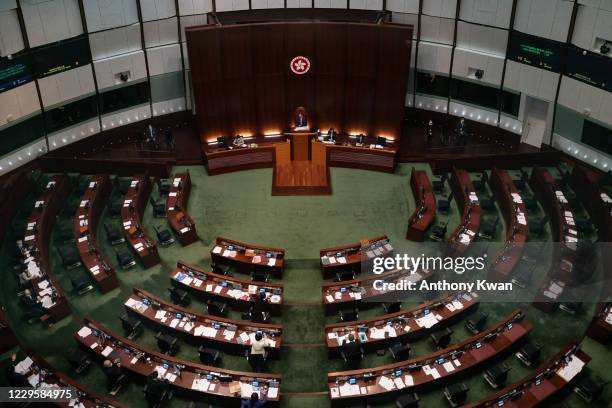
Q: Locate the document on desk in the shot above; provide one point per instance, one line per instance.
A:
(341, 259)
(209, 287)
(569, 371)
(209, 331)
(244, 338)
(408, 380)
(271, 261)
(347, 390)
(334, 392)
(107, 350)
(218, 289)
(174, 323)
(386, 383)
(84, 332)
(229, 334)
(272, 392)
(427, 321)
(216, 250)
(399, 383)
(160, 314)
(448, 366)
(24, 366)
(458, 305)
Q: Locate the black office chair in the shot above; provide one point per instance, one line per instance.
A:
(65, 233)
(441, 338)
(486, 203)
(114, 235)
(392, 307)
(114, 206)
(589, 390)
(438, 184)
(345, 274)
(179, 296)
(522, 274)
(445, 203)
(438, 232)
(488, 227)
(166, 343)
(479, 184)
(256, 361)
(163, 187)
(260, 275)
(81, 283)
(536, 227)
(156, 398)
(476, 323)
(409, 400)
(262, 316)
(571, 308)
(531, 204)
(348, 315)
(164, 236)
(529, 354)
(496, 376)
(220, 268)
(79, 360)
(456, 394)
(400, 351)
(521, 183)
(159, 208)
(132, 327)
(69, 256)
(209, 355)
(216, 308)
(122, 185)
(584, 225)
(125, 260)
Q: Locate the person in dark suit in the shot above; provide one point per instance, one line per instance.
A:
(113, 370)
(351, 346)
(156, 387)
(429, 132)
(32, 302)
(14, 378)
(261, 307)
(254, 401)
(461, 131)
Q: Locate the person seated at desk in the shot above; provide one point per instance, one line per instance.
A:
(14, 378)
(261, 309)
(114, 373)
(156, 388)
(239, 141)
(258, 351)
(331, 135)
(33, 303)
(254, 401)
(351, 350)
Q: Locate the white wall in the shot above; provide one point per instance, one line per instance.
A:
(490, 12)
(188, 7)
(160, 32)
(593, 24)
(109, 43)
(317, 3)
(365, 4)
(105, 14)
(585, 99)
(434, 57)
(526, 79)
(544, 18)
(51, 20)
(437, 29)
(481, 38)
(18, 102)
(11, 39)
(229, 5)
(403, 6)
(106, 69)
(440, 8)
(194, 20)
(157, 9)
(65, 86)
(466, 62)
(164, 59)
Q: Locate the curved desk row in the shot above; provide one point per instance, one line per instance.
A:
(85, 226)
(41, 375)
(515, 218)
(230, 335)
(425, 211)
(246, 258)
(469, 206)
(380, 383)
(352, 256)
(134, 205)
(365, 157)
(367, 291)
(239, 293)
(176, 209)
(564, 231)
(219, 160)
(380, 331)
(542, 384)
(35, 248)
(210, 384)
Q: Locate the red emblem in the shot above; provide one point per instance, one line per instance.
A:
(300, 65)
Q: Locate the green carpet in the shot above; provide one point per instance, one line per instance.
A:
(239, 205)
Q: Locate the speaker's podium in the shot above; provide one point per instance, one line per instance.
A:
(300, 169)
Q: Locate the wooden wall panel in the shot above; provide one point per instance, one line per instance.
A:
(243, 82)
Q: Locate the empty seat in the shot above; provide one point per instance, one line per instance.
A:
(438, 184)
(410, 400)
(164, 236)
(179, 296)
(81, 283)
(400, 351)
(438, 232)
(441, 338)
(345, 274)
(114, 206)
(167, 343)
(122, 185)
(259, 275)
(496, 376)
(530, 202)
(536, 226)
(480, 183)
(114, 235)
(529, 354)
(216, 308)
(456, 394)
(209, 355)
(132, 327)
(392, 307)
(64, 232)
(220, 268)
(486, 203)
(588, 389)
(79, 360)
(476, 323)
(488, 227)
(348, 315)
(125, 260)
(70, 257)
(162, 187)
(444, 204)
(159, 208)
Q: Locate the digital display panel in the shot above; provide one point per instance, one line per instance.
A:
(61, 57)
(589, 67)
(14, 72)
(536, 51)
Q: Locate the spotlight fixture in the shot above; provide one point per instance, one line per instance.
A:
(605, 47)
(479, 73)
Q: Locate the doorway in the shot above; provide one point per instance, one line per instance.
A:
(536, 121)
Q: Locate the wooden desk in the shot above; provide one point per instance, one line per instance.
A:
(85, 226)
(176, 209)
(247, 257)
(232, 336)
(407, 324)
(346, 153)
(339, 295)
(448, 362)
(224, 387)
(542, 384)
(134, 204)
(300, 144)
(36, 244)
(238, 293)
(219, 161)
(353, 256)
(425, 212)
(52, 377)
(467, 201)
(564, 231)
(515, 217)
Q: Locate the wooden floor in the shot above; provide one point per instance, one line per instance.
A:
(301, 178)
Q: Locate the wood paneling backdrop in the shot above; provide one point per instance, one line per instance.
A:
(243, 84)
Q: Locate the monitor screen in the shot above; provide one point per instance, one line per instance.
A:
(14, 72)
(536, 51)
